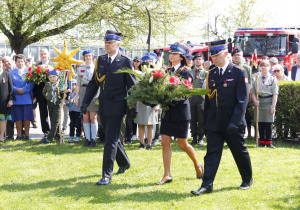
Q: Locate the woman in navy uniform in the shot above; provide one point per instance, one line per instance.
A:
(112, 103)
(176, 120)
(224, 117)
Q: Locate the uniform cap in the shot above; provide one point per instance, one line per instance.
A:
(137, 58)
(87, 51)
(147, 57)
(53, 72)
(236, 50)
(111, 36)
(190, 57)
(152, 54)
(273, 60)
(280, 59)
(215, 47)
(158, 51)
(198, 55)
(179, 48)
(74, 81)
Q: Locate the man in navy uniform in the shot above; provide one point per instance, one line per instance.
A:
(112, 103)
(224, 120)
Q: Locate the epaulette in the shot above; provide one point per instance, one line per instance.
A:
(125, 56)
(237, 66)
(213, 68)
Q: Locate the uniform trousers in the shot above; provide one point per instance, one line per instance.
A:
(196, 122)
(113, 149)
(75, 122)
(43, 106)
(236, 144)
(54, 118)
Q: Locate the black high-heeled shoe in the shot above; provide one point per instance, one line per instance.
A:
(167, 181)
(200, 177)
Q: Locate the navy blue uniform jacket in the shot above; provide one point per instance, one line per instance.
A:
(232, 99)
(181, 110)
(114, 88)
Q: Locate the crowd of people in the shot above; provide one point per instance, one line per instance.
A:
(96, 105)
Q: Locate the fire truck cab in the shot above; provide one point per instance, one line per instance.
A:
(272, 42)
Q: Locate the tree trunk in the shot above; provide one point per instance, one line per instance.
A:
(17, 45)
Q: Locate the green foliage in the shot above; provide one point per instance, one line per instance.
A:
(54, 176)
(287, 108)
(27, 21)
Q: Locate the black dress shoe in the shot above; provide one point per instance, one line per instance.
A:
(93, 143)
(104, 181)
(167, 181)
(246, 185)
(122, 169)
(201, 191)
(261, 145)
(200, 177)
(87, 143)
(19, 138)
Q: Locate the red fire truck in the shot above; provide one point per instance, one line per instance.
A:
(272, 42)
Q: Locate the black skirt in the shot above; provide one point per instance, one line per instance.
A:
(178, 129)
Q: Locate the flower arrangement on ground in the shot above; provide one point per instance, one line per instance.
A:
(38, 74)
(157, 86)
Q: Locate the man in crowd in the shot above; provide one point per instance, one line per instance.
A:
(196, 102)
(273, 61)
(285, 68)
(38, 93)
(224, 120)
(113, 105)
(296, 69)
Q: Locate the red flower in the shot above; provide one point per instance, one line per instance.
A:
(158, 73)
(47, 70)
(188, 83)
(174, 80)
(29, 69)
(29, 74)
(38, 70)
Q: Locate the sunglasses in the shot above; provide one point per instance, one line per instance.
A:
(276, 70)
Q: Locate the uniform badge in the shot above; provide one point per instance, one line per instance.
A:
(82, 70)
(3, 80)
(225, 85)
(246, 80)
(118, 60)
(214, 84)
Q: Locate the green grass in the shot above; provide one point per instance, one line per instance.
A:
(53, 176)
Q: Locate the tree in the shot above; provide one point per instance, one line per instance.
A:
(239, 14)
(25, 22)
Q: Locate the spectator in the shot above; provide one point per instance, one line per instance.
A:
(75, 115)
(85, 73)
(247, 61)
(7, 66)
(266, 101)
(38, 93)
(53, 96)
(279, 73)
(189, 59)
(197, 102)
(22, 109)
(6, 99)
(285, 68)
(273, 61)
(296, 69)
(264, 57)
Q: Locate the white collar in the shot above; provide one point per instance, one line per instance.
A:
(113, 57)
(176, 67)
(224, 67)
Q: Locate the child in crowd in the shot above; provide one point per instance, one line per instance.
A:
(54, 96)
(75, 115)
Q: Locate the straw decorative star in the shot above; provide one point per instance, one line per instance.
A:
(65, 59)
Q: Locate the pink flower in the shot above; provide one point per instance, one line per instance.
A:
(188, 84)
(29, 74)
(47, 70)
(174, 80)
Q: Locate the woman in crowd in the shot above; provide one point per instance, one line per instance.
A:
(22, 109)
(84, 75)
(6, 99)
(266, 101)
(146, 116)
(175, 121)
(279, 73)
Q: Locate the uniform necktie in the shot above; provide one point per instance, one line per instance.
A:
(197, 72)
(88, 73)
(109, 60)
(264, 79)
(172, 69)
(220, 74)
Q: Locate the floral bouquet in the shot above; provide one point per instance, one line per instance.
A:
(155, 86)
(38, 74)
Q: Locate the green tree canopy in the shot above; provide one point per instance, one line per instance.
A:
(25, 22)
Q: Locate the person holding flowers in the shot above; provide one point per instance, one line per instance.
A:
(22, 109)
(175, 121)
